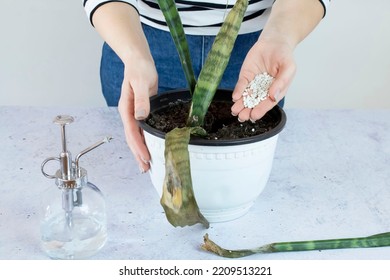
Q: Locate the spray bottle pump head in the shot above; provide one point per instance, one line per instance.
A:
(70, 175)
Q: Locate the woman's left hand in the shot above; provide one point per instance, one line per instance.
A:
(276, 59)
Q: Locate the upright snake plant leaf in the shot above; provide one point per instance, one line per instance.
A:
(178, 199)
(215, 64)
(378, 240)
(172, 18)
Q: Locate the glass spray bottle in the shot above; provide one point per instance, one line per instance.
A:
(74, 222)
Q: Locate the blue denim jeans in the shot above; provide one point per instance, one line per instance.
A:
(166, 59)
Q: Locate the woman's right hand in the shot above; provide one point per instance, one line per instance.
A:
(119, 25)
(139, 83)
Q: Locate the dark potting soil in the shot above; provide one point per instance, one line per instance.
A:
(219, 122)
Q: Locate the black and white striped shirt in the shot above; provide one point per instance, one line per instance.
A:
(202, 17)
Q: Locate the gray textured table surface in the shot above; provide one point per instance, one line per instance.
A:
(330, 179)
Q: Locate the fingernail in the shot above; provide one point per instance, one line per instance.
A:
(145, 161)
(142, 170)
(240, 120)
(276, 96)
(140, 114)
(234, 114)
(252, 121)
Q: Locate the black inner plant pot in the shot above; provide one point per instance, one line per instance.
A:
(170, 110)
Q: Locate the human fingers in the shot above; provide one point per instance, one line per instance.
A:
(276, 91)
(240, 87)
(282, 81)
(238, 109)
(142, 93)
(133, 133)
(261, 109)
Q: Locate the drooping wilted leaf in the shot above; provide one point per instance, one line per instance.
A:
(178, 199)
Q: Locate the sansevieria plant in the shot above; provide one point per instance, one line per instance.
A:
(178, 199)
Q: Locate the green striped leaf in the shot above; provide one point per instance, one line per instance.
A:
(378, 240)
(172, 18)
(215, 64)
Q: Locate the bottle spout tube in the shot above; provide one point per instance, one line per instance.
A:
(67, 200)
(90, 148)
(71, 198)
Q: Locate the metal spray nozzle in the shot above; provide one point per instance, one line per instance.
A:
(70, 175)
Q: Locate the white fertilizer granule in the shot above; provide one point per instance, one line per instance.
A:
(257, 90)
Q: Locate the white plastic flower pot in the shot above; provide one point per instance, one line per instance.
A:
(227, 175)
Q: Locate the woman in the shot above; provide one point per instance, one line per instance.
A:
(139, 58)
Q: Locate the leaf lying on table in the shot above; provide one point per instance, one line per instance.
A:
(378, 240)
(178, 199)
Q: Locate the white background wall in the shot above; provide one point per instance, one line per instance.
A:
(49, 55)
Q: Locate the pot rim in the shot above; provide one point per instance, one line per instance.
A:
(168, 97)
